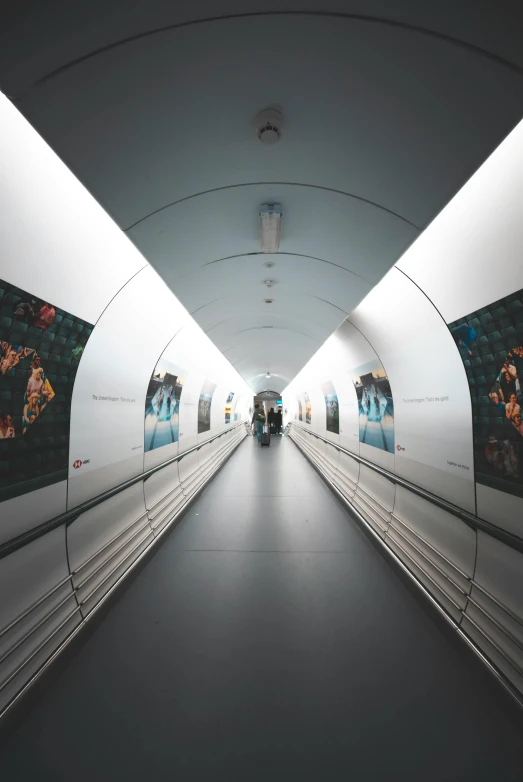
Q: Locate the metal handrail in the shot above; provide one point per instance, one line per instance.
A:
(112, 541)
(482, 589)
(469, 518)
(497, 624)
(412, 574)
(431, 547)
(428, 561)
(76, 589)
(71, 515)
(35, 605)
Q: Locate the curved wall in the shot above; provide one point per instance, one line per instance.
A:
(423, 380)
(103, 376)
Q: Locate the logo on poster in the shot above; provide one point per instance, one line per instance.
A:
(77, 464)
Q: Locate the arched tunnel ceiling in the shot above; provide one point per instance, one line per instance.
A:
(387, 113)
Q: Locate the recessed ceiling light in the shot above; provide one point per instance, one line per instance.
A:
(269, 283)
(268, 301)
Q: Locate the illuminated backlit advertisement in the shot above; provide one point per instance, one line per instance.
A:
(162, 405)
(228, 407)
(300, 410)
(204, 406)
(40, 348)
(307, 408)
(375, 405)
(490, 342)
(332, 407)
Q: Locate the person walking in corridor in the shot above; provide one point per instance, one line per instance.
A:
(279, 420)
(258, 420)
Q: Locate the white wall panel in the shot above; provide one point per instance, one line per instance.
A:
(107, 417)
(52, 231)
(347, 474)
(504, 510)
(23, 513)
(374, 498)
(143, 324)
(59, 245)
(37, 606)
(470, 258)
(494, 615)
(470, 255)
(163, 496)
(432, 410)
(499, 570)
(442, 544)
(189, 351)
(104, 541)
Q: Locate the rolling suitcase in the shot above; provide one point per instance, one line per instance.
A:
(265, 438)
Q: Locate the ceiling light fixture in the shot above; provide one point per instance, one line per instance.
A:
(269, 283)
(270, 227)
(268, 301)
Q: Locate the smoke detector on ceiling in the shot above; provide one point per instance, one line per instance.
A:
(269, 125)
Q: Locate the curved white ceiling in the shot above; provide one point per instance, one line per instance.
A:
(385, 118)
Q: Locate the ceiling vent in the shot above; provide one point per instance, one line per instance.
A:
(269, 125)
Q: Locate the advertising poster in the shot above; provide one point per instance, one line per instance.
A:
(236, 415)
(308, 415)
(40, 350)
(332, 407)
(162, 405)
(228, 407)
(300, 410)
(204, 406)
(375, 405)
(490, 342)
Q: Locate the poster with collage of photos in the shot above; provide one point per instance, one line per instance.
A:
(40, 349)
(490, 342)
